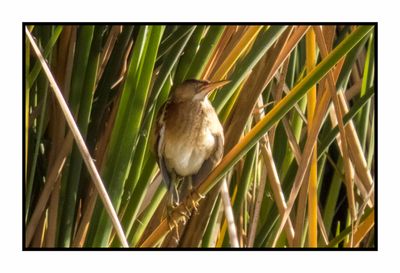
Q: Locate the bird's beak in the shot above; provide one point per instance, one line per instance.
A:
(209, 87)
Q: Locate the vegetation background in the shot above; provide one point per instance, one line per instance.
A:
(299, 121)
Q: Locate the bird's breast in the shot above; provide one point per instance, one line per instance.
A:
(189, 137)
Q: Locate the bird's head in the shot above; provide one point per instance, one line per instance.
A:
(195, 90)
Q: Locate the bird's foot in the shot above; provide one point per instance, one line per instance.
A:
(174, 214)
(172, 221)
(194, 199)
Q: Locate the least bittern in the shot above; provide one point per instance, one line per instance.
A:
(189, 138)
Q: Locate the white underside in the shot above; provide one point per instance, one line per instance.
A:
(186, 160)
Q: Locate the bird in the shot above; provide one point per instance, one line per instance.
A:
(188, 138)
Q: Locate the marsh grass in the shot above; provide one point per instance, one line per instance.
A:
(299, 121)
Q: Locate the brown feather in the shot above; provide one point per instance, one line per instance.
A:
(187, 138)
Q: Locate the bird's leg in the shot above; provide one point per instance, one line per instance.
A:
(173, 211)
(194, 196)
(172, 203)
(185, 213)
(173, 189)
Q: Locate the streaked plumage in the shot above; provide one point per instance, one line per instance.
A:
(188, 137)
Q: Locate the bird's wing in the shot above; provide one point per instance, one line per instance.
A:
(157, 144)
(160, 158)
(211, 162)
(155, 131)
